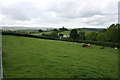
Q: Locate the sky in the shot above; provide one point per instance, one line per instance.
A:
(58, 13)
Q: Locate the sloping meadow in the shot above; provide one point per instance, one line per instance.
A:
(25, 57)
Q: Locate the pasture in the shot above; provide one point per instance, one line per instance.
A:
(68, 32)
(25, 57)
(63, 32)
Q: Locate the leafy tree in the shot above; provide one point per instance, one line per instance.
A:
(42, 34)
(63, 29)
(40, 30)
(45, 35)
(61, 35)
(54, 34)
(55, 30)
(101, 37)
(104, 30)
(74, 34)
(82, 35)
(91, 36)
(112, 32)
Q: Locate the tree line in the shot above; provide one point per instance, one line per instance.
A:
(106, 35)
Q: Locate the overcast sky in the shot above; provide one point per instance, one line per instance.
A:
(58, 13)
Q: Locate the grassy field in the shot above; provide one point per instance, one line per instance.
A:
(64, 32)
(25, 57)
(39, 34)
(68, 32)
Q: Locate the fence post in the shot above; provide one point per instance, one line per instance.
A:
(1, 68)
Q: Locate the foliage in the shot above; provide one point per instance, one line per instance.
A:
(61, 35)
(63, 29)
(82, 35)
(112, 32)
(46, 36)
(104, 30)
(102, 37)
(107, 44)
(40, 30)
(74, 34)
(55, 30)
(54, 34)
(91, 36)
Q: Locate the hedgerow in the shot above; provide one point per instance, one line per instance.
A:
(108, 44)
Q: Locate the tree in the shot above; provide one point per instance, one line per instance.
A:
(42, 34)
(61, 35)
(74, 34)
(101, 37)
(40, 30)
(91, 36)
(63, 29)
(54, 34)
(82, 35)
(55, 30)
(104, 30)
(112, 32)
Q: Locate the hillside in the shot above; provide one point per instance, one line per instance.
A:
(90, 29)
(25, 57)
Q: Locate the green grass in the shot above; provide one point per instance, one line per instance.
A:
(63, 32)
(39, 34)
(86, 32)
(25, 57)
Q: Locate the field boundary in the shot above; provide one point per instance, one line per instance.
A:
(107, 44)
(1, 66)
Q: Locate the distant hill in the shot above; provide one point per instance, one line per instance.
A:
(90, 29)
(44, 28)
(21, 27)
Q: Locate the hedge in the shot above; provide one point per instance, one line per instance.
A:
(27, 35)
(108, 44)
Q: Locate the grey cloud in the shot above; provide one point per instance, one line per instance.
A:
(21, 11)
(107, 19)
(74, 10)
(62, 12)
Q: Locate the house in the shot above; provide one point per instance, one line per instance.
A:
(64, 36)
